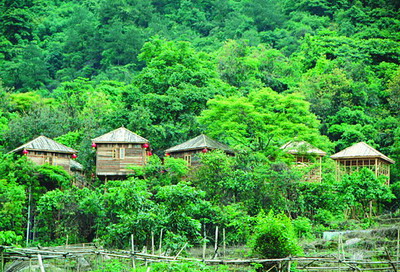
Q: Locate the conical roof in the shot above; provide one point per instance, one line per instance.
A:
(120, 135)
(360, 150)
(42, 143)
(296, 147)
(199, 142)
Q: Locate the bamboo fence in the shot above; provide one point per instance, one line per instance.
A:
(41, 255)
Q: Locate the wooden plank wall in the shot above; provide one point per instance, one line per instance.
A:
(109, 161)
(194, 158)
(52, 158)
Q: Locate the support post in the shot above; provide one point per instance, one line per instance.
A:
(2, 261)
(152, 242)
(398, 247)
(223, 241)
(160, 246)
(216, 242)
(41, 263)
(133, 251)
(204, 243)
(28, 225)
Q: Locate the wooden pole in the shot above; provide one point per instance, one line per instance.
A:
(223, 241)
(133, 251)
(28, 225)
(41, 263)
(339, 240)
(160, 246)
(390, 260)
(152, 242)
(177, 255)
(2, 261)
(289, 264)
(66, 242)
(397, 249)
(204, 242)
(216, 242)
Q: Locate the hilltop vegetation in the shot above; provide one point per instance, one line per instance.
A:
(251, 73)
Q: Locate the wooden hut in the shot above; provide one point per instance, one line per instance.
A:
(190, 149)
(306, 155)
(43, 150)
(117, 150)
(362, 155)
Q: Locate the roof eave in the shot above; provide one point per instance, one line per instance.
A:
(44, 150)
(119, 142)
(364, 156)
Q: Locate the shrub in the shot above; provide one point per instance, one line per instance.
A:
(303, 227)
(274, 237)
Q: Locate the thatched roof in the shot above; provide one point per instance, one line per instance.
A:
(43, 143)
(302, 147)
(120, 135)
(360, 150)
(200, 142)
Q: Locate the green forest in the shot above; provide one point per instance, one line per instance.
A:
(253, 74)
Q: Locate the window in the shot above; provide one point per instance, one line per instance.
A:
(188, 158)
(49, 159)
(114, 152)
(122, 153)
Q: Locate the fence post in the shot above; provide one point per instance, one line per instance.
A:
(41, 263)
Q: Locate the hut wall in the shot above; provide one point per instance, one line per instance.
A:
(52, 158)
(191, 156)
(377, 165)
(113, 159)
(312, 167)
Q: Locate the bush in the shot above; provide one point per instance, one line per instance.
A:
(9, 238)
(303, 227)
(274, 237)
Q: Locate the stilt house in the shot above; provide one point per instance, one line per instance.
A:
(43, 150)
(306, 155)
(117, 150)
(361, 155)
(189, 150)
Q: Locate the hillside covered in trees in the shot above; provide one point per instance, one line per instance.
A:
(253, 74)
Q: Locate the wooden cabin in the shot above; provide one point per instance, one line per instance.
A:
(117, 150)
(43, 150)
(189, 150)
(306, 155)
(361, 155)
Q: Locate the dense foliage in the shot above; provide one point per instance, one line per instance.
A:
(251, 73)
